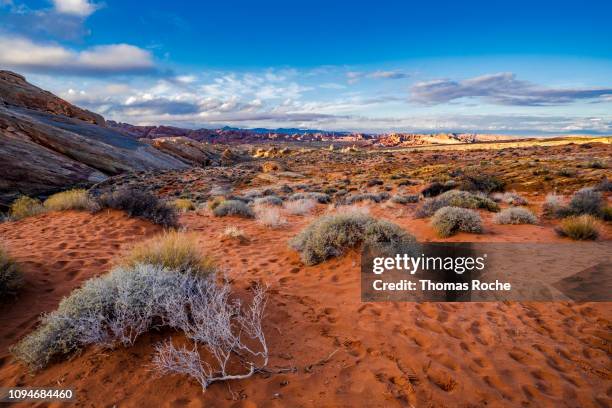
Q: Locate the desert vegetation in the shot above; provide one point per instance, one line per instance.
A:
(233, 207)
(184, 204)
(448, 221)
(77, 199)
(140, 204)
(456, 198)
(173, 250)
(581, 227)
(300, 207)
(329, 236)
(11, 278)
(24, 207)
(515, 215)
(160, 284)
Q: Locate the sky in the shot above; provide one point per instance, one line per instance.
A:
(504, 67)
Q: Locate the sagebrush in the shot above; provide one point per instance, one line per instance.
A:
(448, 221)
(329, 236)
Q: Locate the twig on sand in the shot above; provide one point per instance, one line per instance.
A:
(321, 362)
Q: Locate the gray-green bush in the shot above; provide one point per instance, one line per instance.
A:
(405, 199)
(515, 215)
(448, 221)
(233, 207)
(322, 198)
(329, 236)
(456, 198)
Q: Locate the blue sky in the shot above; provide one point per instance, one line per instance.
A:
(537, 67)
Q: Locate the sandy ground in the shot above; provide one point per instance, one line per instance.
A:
(345, 352)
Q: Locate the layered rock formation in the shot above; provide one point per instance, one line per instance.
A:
(417, 139)
(47, 144)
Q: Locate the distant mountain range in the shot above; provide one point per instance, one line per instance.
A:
(287, 131)
(229, 135)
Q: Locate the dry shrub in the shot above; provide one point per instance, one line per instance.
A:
(485, 183)
(405, 199)
(604, 185)
(515, 215)
(510, 198)
(456, 198)
(174, 250)
(436, 188)
(184, 204)
(270, 200)
(235, 233)
(214, 203)
(120, 306)
(448, 221)
(233, 207)
(11, 278)
(329, 236)
(322, 198)
(77, 199)
(270, 217)
(373, 197)
(140, 204)
(24, 207)
(553, 205)
(583, 227)
(300, 207)
(586, 201)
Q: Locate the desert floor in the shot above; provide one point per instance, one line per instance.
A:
(339, 351)
(331, 348)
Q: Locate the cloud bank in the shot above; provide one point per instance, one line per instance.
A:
(501, 89)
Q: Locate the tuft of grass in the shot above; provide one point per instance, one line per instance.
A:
(515, 215)
(233, 207)
(456, 198)
(76, 199)
(140, 204)
(583, 227)
(174, 250)
(235, 233)
(184, 204)
(24, 207)
(329, 236)
(11, 278)
(448, 221)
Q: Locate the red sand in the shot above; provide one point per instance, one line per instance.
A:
(384, 354)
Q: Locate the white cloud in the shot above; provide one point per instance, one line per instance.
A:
(81, 8)
(22, 53)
